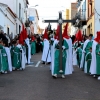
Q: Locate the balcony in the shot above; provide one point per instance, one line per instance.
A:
(79, 3)
(80, 20)
(79, 0)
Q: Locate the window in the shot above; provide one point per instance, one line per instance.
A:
(19, 11)
(19, 29)
(16, 27)
(85, 32)
(91, 24)
(89, 8)
(8, 30)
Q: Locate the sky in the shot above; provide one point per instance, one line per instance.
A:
(48, 9)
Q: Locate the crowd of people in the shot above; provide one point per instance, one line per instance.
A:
(16, 53)
(79, 50)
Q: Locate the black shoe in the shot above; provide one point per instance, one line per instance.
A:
(2, 72)
(43, 62)
(49, 62)
(55, 77)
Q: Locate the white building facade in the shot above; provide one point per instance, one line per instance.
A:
(82, 15)
(7, 20)
(96, 16)
(93, 19)
(18, 7)
(32, 12)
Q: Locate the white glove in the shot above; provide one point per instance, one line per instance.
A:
(51, 38)
(83, 51)
(63, 47)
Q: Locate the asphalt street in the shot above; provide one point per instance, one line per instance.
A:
(36, 83)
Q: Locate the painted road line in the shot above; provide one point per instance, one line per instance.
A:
(30, 66)
(38, 64)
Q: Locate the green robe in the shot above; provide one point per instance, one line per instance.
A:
(16, 59)
(97, 59)
(88, 46)
(87, 49)
(88, 59)
(57, 60)
(75, 45)
(33, 47)
(82, 44)
(79, 55)
(3, 59)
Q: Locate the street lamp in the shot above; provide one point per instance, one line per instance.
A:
(33, 6)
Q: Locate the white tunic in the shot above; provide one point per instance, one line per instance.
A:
(46, 51)
(22, 57)
(29, 50)
(53, 53)
(74, 57)
(69, 65)
(83, 53)
(93, 61)
(9, 58)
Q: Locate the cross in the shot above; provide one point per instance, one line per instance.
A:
(60, 21)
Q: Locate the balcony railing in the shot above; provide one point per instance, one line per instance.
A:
(81, 19)
(81, 15)
(79, 0)
(79, 3)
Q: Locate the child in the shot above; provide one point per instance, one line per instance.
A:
(3, 58)
(79, 54)
(16, 58)
(88, 61)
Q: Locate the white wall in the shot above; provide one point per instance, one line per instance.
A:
(10, 3)
(10, 22)
(2, 17)
(7, 20)
(23, 5)
(32, 12)
(97, 17)
(14, 5)
(23, 17)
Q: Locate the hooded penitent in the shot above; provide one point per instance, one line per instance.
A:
(97, 39)
(45, 36)
(32, 38)
(79, 35)
(57, 33)
(65, 33)
(21, 39)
